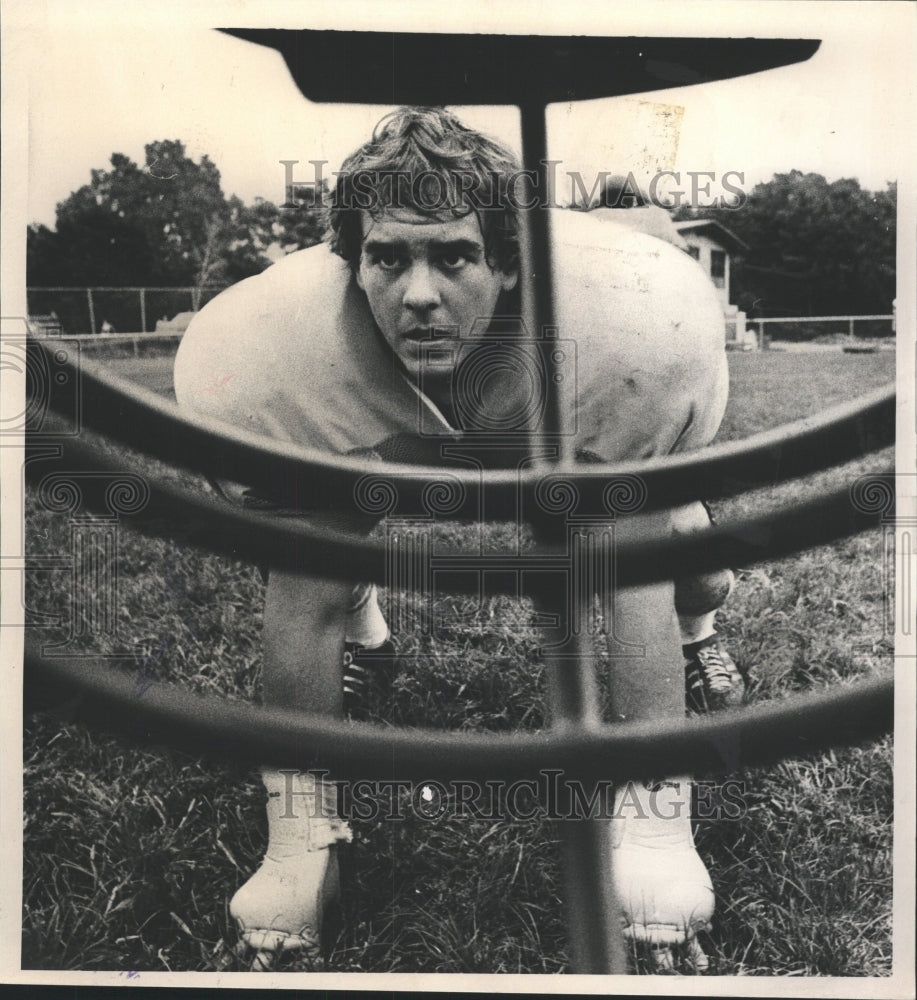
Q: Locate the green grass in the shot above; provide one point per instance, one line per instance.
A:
(132, 853)
(768, 388)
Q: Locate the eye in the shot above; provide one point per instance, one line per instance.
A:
(452, 261)
(385, 258)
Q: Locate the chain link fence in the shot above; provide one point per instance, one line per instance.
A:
(88, 311)
(850, 331)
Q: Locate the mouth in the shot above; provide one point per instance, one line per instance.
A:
(418, 334)
(428, 346)
(429, 334)
(428, 343)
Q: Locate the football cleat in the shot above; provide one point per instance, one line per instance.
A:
(661, 882)
(712, 679)
(289, 902)
(365, 671)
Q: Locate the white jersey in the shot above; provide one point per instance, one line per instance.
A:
(294, 354)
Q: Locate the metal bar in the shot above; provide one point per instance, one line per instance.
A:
(222, 527)
(143, 309)
(95, 338)
(593, 915)
(92, 315)
(209, 288)
(537, 279)
(217, 728)
(123, 288)
(593, 912)
(148, 422)
(813, 319)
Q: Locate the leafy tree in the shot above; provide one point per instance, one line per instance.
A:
(166, 223)
(262, 232)
(155, 225)
(814, 248)
(302, 222)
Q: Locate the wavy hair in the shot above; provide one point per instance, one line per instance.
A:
(424, 159)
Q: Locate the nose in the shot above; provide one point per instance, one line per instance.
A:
(421, 293)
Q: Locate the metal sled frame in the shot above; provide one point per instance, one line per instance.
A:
(531, 72)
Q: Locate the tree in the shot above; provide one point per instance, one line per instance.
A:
(302, 221)
(156, 225)
(166, 223)
(262, 232)
(814, 248)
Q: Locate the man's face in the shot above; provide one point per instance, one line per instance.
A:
(421, 274)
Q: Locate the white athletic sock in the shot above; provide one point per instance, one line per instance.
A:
(283, 903)
(693, 628)
(366, 625)
(662, 884)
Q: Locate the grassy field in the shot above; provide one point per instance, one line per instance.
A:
(132, 853)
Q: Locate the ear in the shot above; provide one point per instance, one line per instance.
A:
(358, 274)
(508, 280)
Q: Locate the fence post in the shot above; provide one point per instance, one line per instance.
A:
(92, 312)
(850, 326)
(143, 310)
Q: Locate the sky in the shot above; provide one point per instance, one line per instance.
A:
(101, 81)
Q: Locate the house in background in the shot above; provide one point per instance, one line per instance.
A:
(711, 244)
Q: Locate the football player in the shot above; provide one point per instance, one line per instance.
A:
(331, 348)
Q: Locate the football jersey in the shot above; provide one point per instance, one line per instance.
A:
(293, 353)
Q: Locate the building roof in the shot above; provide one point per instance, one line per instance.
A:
(715, 231)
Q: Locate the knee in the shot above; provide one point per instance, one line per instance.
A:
(703, 593)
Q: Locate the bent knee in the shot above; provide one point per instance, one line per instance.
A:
(703, 593)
